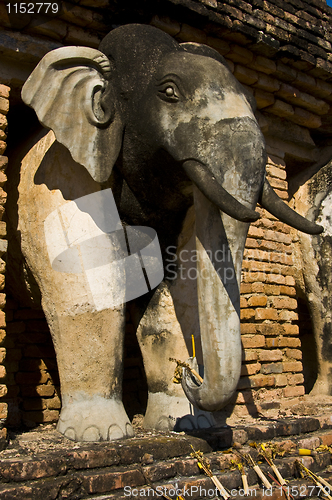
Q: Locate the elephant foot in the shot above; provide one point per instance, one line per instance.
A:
(94, 419)
(321, 387)
(172, 413)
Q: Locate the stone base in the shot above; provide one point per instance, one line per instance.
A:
(44, 465)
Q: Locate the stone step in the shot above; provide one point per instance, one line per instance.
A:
(127, 469)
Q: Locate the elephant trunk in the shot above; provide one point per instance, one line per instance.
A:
(219, 242)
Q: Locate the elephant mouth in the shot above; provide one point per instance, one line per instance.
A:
(216, 194)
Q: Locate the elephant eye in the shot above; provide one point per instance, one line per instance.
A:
(168, 92)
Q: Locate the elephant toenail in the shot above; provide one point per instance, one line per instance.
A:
(91, 434)
(114, 432)
(164, 424)
(129, 431)
(70, 434)
(185, 424)
(202, 422)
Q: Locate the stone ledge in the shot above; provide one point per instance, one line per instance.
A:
(80, 471)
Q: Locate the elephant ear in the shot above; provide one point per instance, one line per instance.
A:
(72, 92)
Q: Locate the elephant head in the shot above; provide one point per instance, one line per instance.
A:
(180, 130)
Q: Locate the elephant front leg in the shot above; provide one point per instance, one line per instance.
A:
(89, 347)
(165, 331)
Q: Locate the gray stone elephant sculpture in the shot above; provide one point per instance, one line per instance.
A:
(168, 128)
(312, 198)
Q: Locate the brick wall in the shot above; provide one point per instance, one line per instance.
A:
(281, 51)
(4, 107)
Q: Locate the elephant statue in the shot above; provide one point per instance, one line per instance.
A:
(312, 193)
(162, 134)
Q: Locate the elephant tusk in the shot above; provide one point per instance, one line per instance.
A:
(273, 204)
(214, 192)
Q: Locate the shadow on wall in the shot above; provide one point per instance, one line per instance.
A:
(308, 346)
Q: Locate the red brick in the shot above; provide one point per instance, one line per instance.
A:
(279, 237)
(293, 391)
(285, 315)
(270, 368)
(4, 91)
(12, 366)
(245, 288)
(243, 302)
(251, 243)
(256, 381)
(296, 379)
(27, 469)
(290, 281)
(255, 232)
(309, 443)
(240, 54)
(289, 342)
(267, 313)
(257, 287)
(251, 276)
(288, 290)
(186, 467)
(41, 416)
(14, 354)
(3, 410)
(4, 105)
(34, 404)
(101, 482)
(290, 329)
(53, 403)
(268, 329)
(250, 369)
(249, 355)
(263, 99)
(306, 118)
(280, 380)
(32, 378)
(3, 390)
(247, 314)
(267, 83)
(245, 75)
(277, 279)
(293, 353)
(284, 303)
(252, 341)
(272, 342)
(244, 397)
(257, 300)
(277, 172)
(15, 327)
(292, 366)
(166, 24)
(160, 471)
(248, 328)
(275, 355)
(263, 65)
(326, 439)
(220, 45)
(93, 458)
(272, 289)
